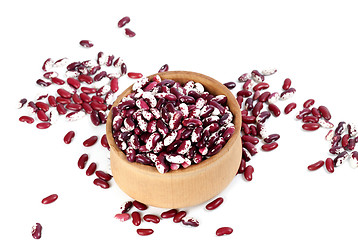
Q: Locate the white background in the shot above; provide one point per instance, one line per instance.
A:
(312, 42)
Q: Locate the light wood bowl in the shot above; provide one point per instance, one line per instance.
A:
(184, 187)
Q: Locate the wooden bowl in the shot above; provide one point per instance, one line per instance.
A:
(183, 187)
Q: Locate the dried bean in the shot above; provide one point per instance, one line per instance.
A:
(330, 165)
(286, 84)
(315, 166)
(274, 109)
(144, 231)
(136, 219)
(310, 126)
(214, 204)
(248, 173)
(308, 103)
(224, 231)
(49, 199)
(230, 85)
(324, 112)
(82, 161)
(151, 218)
(139, 205)
(36, 231)
(122, 217)
(179, 216)
(26, 119)
(169, 214)
(90, 141)
(101, 183)
(290, 107)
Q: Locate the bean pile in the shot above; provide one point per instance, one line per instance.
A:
(169, 126)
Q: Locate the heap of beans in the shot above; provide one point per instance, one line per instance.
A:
(169, 126)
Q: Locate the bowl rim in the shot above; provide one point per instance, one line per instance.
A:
(150, 170)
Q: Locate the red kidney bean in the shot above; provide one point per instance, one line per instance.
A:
(63, 100)
(239, 100)
(43, 106)
(330, 165)
(52, 101)
(104, 141)
(179, 216)
(244, 93)
(91, 169)
(88, 90)
(114, 85)
(41, 115)
(269, 146)
(310, 119)
(311, 126)
(95, 118)
(251, 139)
(230, 85)
(85, 97)
(85, 78)
(49, 199)
(286, 84)
(253, 130)
(246, 156)
(139, 205)
(261, 86)
(86, 43)
(73, 66)
(224, 231)
(101, 183)
(61, 109)
(82, 161)
(274, 109)
(257, 109)
(169, 214)
(303, 112)
(248, 119)
(245, 128)
(249, 104)
(290, 107)
(134, 75)
(102, 175)
(324, 112)
(43, 125)
(214, 204)
(315, 166)
(36, 231)
(272, 137)
(64, 93)
(242, 166)
(68, 137)
(122, 217)
(308, 103)
(315, 112)
(57, 81)
(264, 96)
(248, 173)
(151, 218)
(123, 21)
(26, 119)
(144, 231)
(73, 83)
(90, 141)
(76, 99)
(136, 219)
(74, 106)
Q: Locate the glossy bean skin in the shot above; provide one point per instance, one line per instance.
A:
(224, 231)
(169, 214)
(269, 146)
(179, 216)
(139, 205)
(91, 169)
(101, 183)
(272, 137)
(214, 204)
(308, 103)
(145, 231)
(136, 219)
(36, 231)
(274, 109)
(315, 166)
(26, 119)
(103, 175)
(49, 199)
(251, 139)
(68, 137)
(290, 107)
(248, 173)
(151, 218)
(324, 112)
(123, 21)
(82, 161)
(230, 85)
(286, 84)
(311, 126)
(90, 141)
(330, 165)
